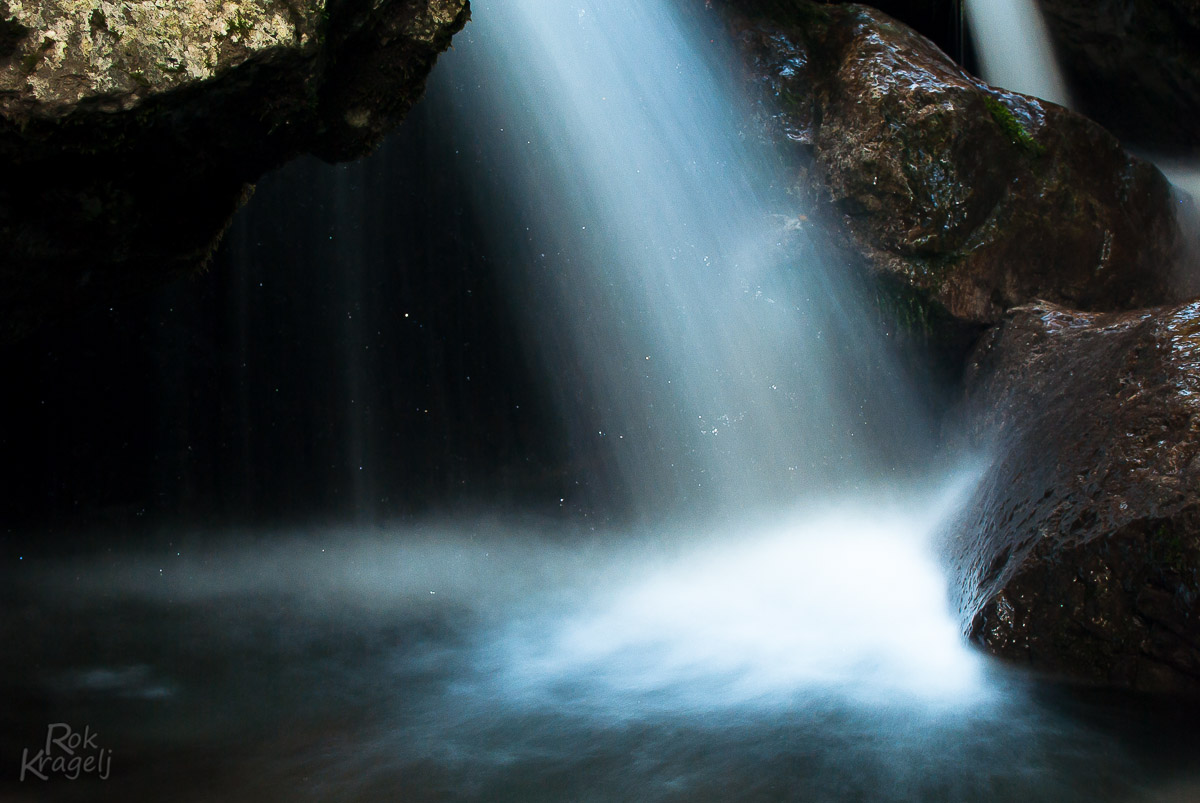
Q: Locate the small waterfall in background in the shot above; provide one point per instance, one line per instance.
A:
(1014, 48)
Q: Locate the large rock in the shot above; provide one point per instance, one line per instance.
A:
(977, 198)
(130, 131)
(1080, 553)
(1134, 66)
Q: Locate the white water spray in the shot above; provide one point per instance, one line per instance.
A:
(836, 603)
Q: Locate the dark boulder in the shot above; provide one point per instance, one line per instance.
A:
(1079, 554)
(129, 133)
(976, 198)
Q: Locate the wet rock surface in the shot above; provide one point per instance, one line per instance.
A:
(129, 133)
(1134, 66)
(976, 198)
(1079, 554)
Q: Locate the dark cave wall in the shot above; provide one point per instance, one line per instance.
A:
(128, 143)
(350, 318)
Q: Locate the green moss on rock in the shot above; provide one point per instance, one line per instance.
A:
(1012, 127)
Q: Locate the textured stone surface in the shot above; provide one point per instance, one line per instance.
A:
(78, 49)
(977, 198)
(1080, 552)
(130, 132)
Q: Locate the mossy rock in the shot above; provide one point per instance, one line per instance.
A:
(1012, 127)
(979, 198)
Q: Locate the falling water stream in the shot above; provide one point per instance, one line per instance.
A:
(765, 620)
(1015, 50)
(728, 369)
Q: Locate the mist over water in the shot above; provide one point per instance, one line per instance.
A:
(518, 661)
(740, 614)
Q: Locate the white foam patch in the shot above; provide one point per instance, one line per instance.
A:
(847, 602)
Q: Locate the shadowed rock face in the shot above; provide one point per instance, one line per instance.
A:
(1080, 553)
(1134, 65)
(129, 133)
(977, 198)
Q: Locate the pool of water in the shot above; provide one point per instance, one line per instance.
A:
(800, 656)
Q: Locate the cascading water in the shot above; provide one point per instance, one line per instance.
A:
(723, 364)
(767, 624)
(717, 365)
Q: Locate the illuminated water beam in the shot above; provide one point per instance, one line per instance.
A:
(694, 330)
(1014, 48)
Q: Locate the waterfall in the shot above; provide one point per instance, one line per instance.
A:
(1014, 48)
(703, 349)
(718, 371)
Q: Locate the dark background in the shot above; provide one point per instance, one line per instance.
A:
(347, 354)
